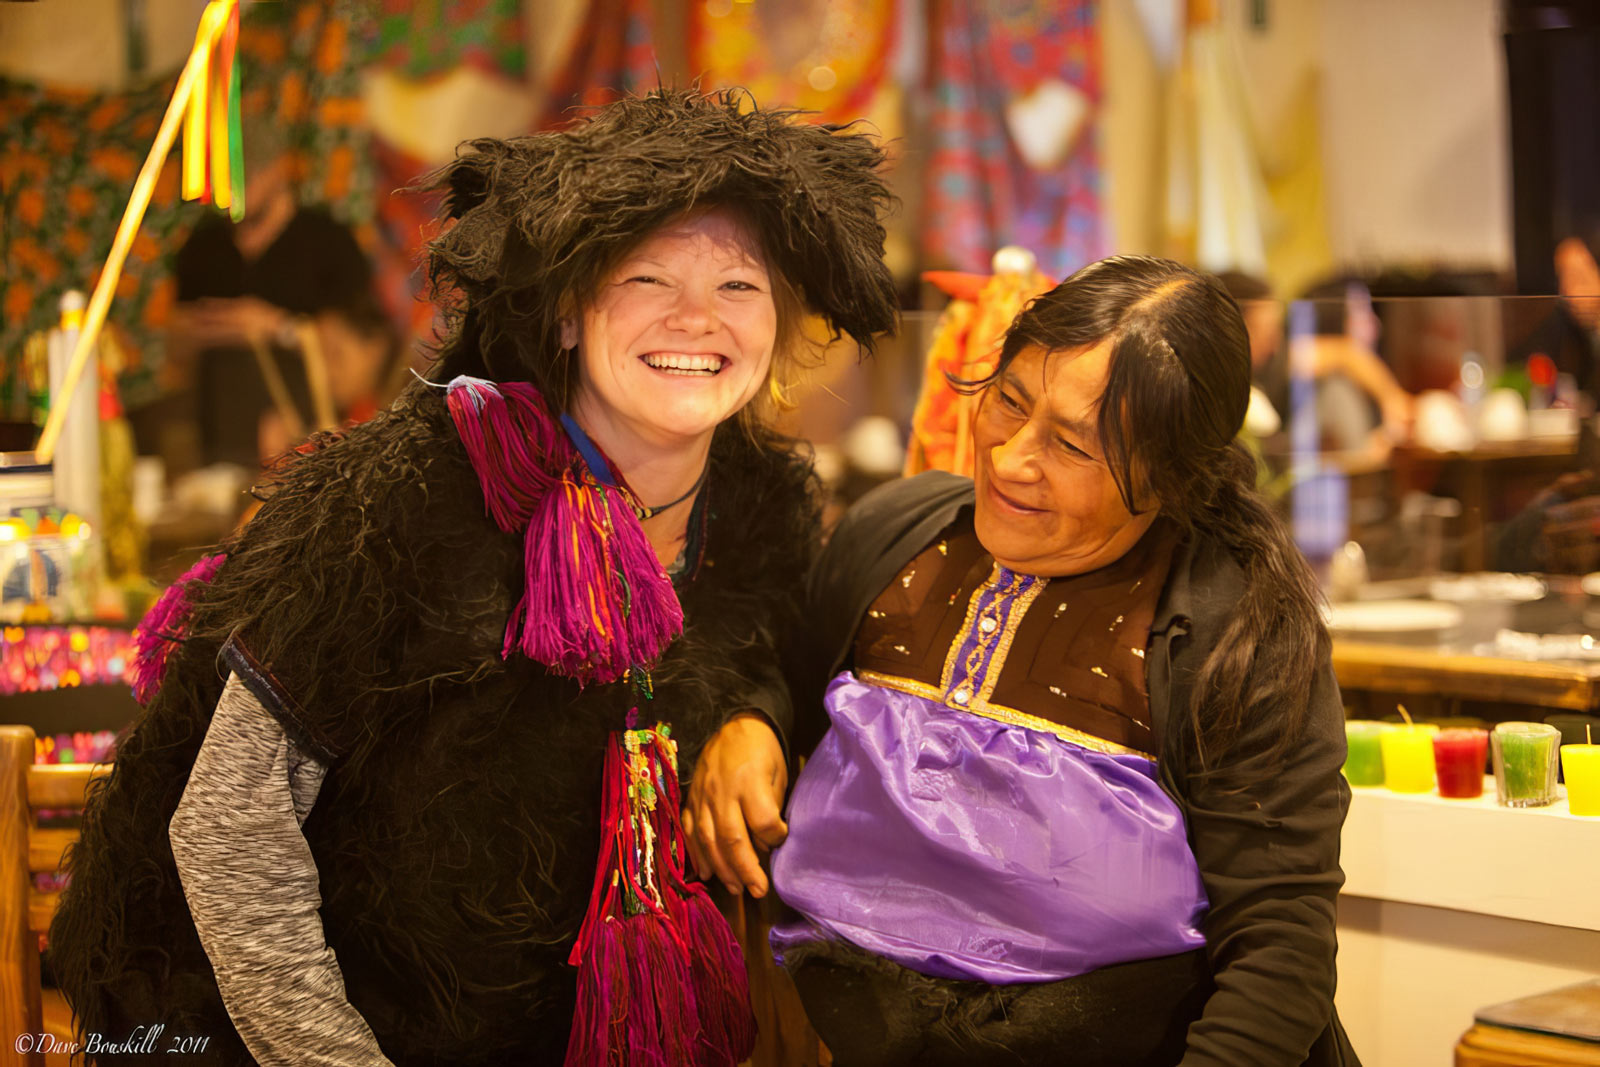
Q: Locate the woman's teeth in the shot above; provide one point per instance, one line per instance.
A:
(691, 366)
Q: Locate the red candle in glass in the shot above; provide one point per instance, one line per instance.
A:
(1458, 760)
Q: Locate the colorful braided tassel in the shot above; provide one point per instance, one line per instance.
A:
(164, 625)
(661, 981)
(596, 601)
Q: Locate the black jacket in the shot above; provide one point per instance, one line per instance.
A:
(1268, 853)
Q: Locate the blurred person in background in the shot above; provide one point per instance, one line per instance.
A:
(361, 354)
(1569, 337)
(1359, 403)
(244, 289)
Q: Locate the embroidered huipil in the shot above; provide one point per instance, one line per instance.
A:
(985, 804)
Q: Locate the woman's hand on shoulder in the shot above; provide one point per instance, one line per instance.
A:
(735, 803)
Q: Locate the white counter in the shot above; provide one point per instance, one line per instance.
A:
(1453, 905)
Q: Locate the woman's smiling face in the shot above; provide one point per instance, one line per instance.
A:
(680, 335)
(1047, 503)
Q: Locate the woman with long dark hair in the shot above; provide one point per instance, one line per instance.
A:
(1080, 797)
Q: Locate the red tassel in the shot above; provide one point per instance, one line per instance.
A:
(721, 985)
(602, 990)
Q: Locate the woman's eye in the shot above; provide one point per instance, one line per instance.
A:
(741, 287)
(645, 279)
(1011, 402)
(1071, 448)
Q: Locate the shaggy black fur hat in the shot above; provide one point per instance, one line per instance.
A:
(540, 219)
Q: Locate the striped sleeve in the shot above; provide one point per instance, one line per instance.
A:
(253, 889)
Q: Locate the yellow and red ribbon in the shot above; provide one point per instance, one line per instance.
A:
(213, 151)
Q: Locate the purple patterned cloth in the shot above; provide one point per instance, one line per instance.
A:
(963, 847)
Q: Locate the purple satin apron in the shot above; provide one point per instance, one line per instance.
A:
(964, 847)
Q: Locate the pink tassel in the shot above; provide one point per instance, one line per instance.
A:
(517, 449)
(653, 616)
(721, 985)
(636, 994)
(661, 1020)
(164, 625)
(602, 993)
(596, 601)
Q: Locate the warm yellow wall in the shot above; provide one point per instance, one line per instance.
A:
(81, 43)
(1131, 125)
(1411, 105)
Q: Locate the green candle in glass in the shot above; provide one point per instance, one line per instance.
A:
(1363, 762)
(1525, 763)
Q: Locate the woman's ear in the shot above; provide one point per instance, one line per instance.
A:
(569, 332)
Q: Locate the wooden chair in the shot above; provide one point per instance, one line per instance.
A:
(25, 912)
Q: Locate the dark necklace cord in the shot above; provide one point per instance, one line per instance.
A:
(643, 511)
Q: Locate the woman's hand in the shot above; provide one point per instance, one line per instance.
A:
(737, 795)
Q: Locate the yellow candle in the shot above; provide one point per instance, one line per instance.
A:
(1408, 757)
(1581, 766)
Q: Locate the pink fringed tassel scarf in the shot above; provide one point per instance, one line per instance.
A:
(597, 601)
(164, 625)
(661, 980)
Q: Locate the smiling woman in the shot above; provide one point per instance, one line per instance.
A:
(679, 338)
(1079, 786)
(1052, 505)
(431, 814)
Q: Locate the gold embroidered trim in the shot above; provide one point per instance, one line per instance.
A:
(961, 634)
(1014, 617)
(984, 708)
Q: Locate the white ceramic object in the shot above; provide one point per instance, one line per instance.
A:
(1553, 422)
(1441, 422)
(1392, 616)
(1503, 416)
(1487, 586)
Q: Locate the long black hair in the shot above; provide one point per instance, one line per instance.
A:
(1174, 400)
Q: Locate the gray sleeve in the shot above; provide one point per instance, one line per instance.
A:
(252, 888)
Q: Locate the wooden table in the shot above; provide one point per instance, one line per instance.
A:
(1559, 1027)
(1462, 665)
(1560, 685)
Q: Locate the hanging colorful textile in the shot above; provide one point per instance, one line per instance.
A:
(302, 69)
(1215, 200)
(827, 56)
(1014, 158)
(612, 54)
(419, 40)
(69, 162)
